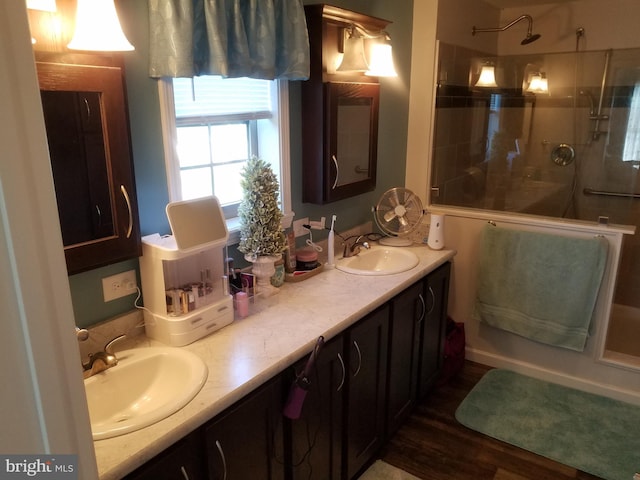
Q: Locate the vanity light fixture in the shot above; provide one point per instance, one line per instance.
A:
(538, 83)
(380, 63)
(487, 76)
(98, 28)
(353, 59)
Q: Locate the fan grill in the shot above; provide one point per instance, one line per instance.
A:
(398, 212)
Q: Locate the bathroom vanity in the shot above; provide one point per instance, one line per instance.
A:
(383, 349)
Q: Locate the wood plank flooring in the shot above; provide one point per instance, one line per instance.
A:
(432, 445)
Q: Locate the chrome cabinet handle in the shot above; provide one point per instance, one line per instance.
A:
(126, 199)
(424, 308)
(335, 162)
(99, 216)
(344, 373)
(433, 300)
(224, 460)
(87, 107)
(355, 344)
(185, 475)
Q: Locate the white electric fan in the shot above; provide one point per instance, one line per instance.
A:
(398, 213)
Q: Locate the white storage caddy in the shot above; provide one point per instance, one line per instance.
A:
(183, 283)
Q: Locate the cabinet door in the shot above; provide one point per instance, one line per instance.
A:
(352, 141)
(246, 442)
(434, 327)
(316, 437)
(407, 315)
(182, 461)
(366, 381)
(85, 114)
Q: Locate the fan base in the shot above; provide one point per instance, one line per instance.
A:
(395, 242)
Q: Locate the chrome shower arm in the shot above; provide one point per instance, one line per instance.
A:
(509, 25)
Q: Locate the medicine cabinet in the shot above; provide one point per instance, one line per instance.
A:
(339, 111)
(85, 113)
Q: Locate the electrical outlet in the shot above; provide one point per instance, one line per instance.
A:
(119, 285)
(298, 229)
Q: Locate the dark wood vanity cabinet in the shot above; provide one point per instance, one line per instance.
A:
(244, 442)
(366, 388)
(364, 384)
(85, 113)
(416, 341)
(316, 437)
(247, 441)
(339, 112)
(434, 327)
(408, 312)
(183, 460)
(342, 421)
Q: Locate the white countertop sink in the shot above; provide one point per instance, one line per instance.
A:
(379, 260)
(146, 386)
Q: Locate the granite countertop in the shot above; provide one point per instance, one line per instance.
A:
(242, 356)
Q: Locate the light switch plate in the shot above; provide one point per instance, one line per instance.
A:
(119, 285)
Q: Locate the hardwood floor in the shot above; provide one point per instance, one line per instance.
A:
(432, 445)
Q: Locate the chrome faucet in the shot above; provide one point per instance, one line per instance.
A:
(353, 249)
(100, 361)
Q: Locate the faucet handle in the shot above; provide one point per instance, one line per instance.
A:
(108, 348)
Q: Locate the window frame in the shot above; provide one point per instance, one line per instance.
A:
(281, 159)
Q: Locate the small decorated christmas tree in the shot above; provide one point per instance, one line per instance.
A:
(261, 233)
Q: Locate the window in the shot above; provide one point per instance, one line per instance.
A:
(212, 126)
(631, 151)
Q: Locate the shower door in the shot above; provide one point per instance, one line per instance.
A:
(570, 150)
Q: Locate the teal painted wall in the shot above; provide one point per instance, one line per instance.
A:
(146, 137)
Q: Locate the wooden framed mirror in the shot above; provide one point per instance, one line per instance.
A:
(84, 108)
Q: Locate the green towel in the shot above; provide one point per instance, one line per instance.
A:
(543, 287)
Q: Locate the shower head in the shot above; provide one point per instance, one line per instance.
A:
(528, 39)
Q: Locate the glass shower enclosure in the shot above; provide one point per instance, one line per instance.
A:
(557, 135)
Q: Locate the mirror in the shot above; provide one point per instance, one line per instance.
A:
(78, 160)
(197, 223)
(84, 109)
(354, 138)
(352, 119)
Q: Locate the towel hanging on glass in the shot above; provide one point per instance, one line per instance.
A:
(540, 286)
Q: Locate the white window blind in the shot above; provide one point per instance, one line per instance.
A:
(209, 96)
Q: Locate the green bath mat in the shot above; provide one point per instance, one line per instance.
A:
(594, 434)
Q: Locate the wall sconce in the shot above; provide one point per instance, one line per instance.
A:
(353, 59)
(98, 28)
(380, 62)
(487, 77)
(538, 83)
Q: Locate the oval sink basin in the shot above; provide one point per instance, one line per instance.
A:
(379, 260)
(147, 385)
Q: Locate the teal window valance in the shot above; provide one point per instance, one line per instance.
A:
(265, 39)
